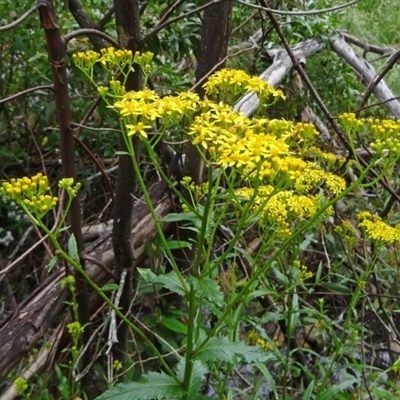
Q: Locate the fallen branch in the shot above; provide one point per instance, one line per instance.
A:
(367, 74)
(280, 67)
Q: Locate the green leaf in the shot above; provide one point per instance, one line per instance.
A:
(152, 386)
(178, 244)
(336, 288)
(174, 325)
(169, 281)
(308, 393)
(208, 288)
(304, 245)
(176, 217)
(73, 248)
(222, 349)
(148, 275)
(121, 153)
(333, 391)
(198, 374)
(52, 263)
(109, 287)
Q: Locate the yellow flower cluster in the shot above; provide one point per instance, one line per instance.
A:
(313, 175)
(329, 160)
(197, 192)
(303, 272)
(350, 123)
(31, 192)
(256, 339)
(387, 135)
(237, 82)
(282, 209)
(348, 233)
(140, 109)
(376, 229)
(251, 145)
(111, 57)
(75, 329)
(86, 60)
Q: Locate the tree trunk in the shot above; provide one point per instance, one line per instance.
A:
(56, 49)
(129, 35)
(213, 49)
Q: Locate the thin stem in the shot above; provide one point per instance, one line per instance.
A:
(190, 342)
(278, 252)
(97, 289)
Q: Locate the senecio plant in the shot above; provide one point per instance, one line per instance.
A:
(266, 178)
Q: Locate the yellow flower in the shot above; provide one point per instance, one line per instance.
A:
(30, 192)
(139, 128)
(21, 385)
(376, 229)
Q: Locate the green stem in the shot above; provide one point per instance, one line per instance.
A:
(278, 252)
(97, 289)
(207, 214)
(155, 219)
(190, 342)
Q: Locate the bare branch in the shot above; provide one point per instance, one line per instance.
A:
(21, 18)
(88, 31)
(366, 73)
(312, 12)
(159, 26)
(26, 91)
(170, 11)
(393, 59)
(106, 18)
(383, 51)
(281, 65)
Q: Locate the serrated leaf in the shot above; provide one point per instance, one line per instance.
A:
(198, 375)
(73, 248)
(148, 275)
(222, 349)
(171, 281)
(174, 325)
(109, 287)
(153, 385)
(208, 288)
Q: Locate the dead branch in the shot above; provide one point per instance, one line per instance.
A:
(393, 59)
(367, 47)
(26, 91)
(280, 67)
(367, 74)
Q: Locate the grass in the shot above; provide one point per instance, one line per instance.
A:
(376, 22)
